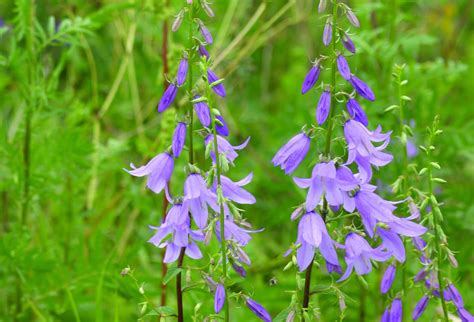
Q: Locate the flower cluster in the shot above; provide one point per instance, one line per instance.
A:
(337, 186)
(209, 200)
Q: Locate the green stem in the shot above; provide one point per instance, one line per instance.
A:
(221, 204)
(325, 208)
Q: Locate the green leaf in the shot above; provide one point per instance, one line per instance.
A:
(172, 272)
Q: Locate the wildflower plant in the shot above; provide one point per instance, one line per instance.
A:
(209, 203)
(343, 213)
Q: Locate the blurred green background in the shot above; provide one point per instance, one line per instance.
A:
(100, 78)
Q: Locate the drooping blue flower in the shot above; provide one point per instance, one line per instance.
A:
(387, 279)
(234, 191)
(158, 170)
(393, 243)
(258, 310)
(182, 71)
(347, 42)
(352, 18)
(311, 78)
(386, 315)
(218, 89)
(323, 108)
(396, 311)
(202, 112)
(205, 33)
(356, 112)
(198, 196)
(292, 153)
(219, 298)
(327, 34)
(455, 296)
(203, 52)
(239, 269)
(179, 137)
(420, 307)
(343, 67)
(168, 98)
(221, 126)
(362, 88)
(465, 315)
(225, 148)
(359, 254)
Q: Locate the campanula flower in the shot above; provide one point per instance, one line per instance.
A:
(179, 137)
(225, 148)
(343, 67)
(198, 196)
(182, 71)
(221, 126)
(359, 254)
(258, 310)
(327, 34)
(205, 33)
(347, 42)
(158, 170)
(387, 279)
(393, 243)
(218, 89)
(352, 18)
(420, 307)
(465, 315)
(455, 296)
(292, 153)
(234, 191)
(356, 112)
(362, 88)
(202, 112)
(311, 78)
(396, 312)
(203, 52)
(323, 108)
(239, 269)
(167, 98)
(219, 298)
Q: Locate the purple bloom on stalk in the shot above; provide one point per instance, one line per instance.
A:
(465, 315)
(387, 279)
(292, 153)
(179, 137)
(205, 33)
(347, 42)
(203, 52)
(219, 298)
(202, 112)
(412, 150)
(224, 147)
(356, 112)
(359, 254)
(343, 67)
(218, 89)
(385, 316)
(239, 270)
(221, 126)
(235, 233)
(323, 108)
(158, 170)
(396, 312)
(455, 296)
(198, 197)
(234, 191)
(311, 78)
(362, 88)
(313, 234)
(258, 310)
(352, 18)
(182, 71)
(167, 98)
(393, 243)
(420, 307)
(327, 34)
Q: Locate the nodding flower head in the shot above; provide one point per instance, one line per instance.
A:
(420, 307)
(198, 196)
(347, 42)
(221, 126)
(179, 137)
(205, 33)
(219, 89)
(219, 298)
(387, 279)
(311, 78)
(158, 170)
(225, 148)
(168, 98)
(182, 71)
(362, 88)
(258, 310)
(323, 108)
(292, 153)
(202, 112)
(327, 34)
(356, 112)
(343, 67)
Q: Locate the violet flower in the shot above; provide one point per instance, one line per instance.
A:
(225, 148)
(203, 52)
(465, 315)
(198, 197)
(221, 126)
(311, 78)
(205, 33)
(396, 312)
(420, 307)
(182, 71)
(356, 112)
(158, 170)
(218, 89)
(219, 298)
(323, 108)
(362, 88)
(393, 243)
(387, 279)
(167, 98)
(412, 150)
(343, 67)
(179, 137)
(234, 191)
(455, 296)
(258, 310)
(202, 112)
(347, 43)
(359, 254)
(352, 18)
(327, 34)
(292, 153)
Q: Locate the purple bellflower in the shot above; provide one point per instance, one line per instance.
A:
(292, 153)
(218, 89)
(465, 315)
(359, 254)
(182, 71)
(387, 279)
(203, 52)
(234, 191)
(396, 311)
(202, 112)
(352, 18)
(356, 112)
(221, 126)
(412, 150)
(168, 98)
(311, 78)
(205, 33)
(323, 108)
(420, 307)
(179, 137)
(327, 34)
(347, 42)
(219, 298)
(198, 196)
(258, 310)
(455, 296)
(225, 148)
(158, 170)
(343, 67)
(362, 88)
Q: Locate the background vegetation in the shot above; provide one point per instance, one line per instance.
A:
(87, 75)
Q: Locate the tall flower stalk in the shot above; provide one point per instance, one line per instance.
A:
(339, 189)
(209, 200)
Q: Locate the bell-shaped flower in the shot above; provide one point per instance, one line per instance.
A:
(292, 153)
(258, 310)
(182, 71)
(311, 78)
(179, 137)
(356, 112)
(420, 307)
(327, 34)
(219, 298)
(362, 88)
(396, 312)
(343, 67)
(198, 196)
(168, 98)
(393, 243)
(234, 191)
(221, 126)
(225, 148)
(158, 170)
(359, 254)
(387, 279)
(323, 108)
(219, 89)
(347, 42)
(202, 112)
(205, 33)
